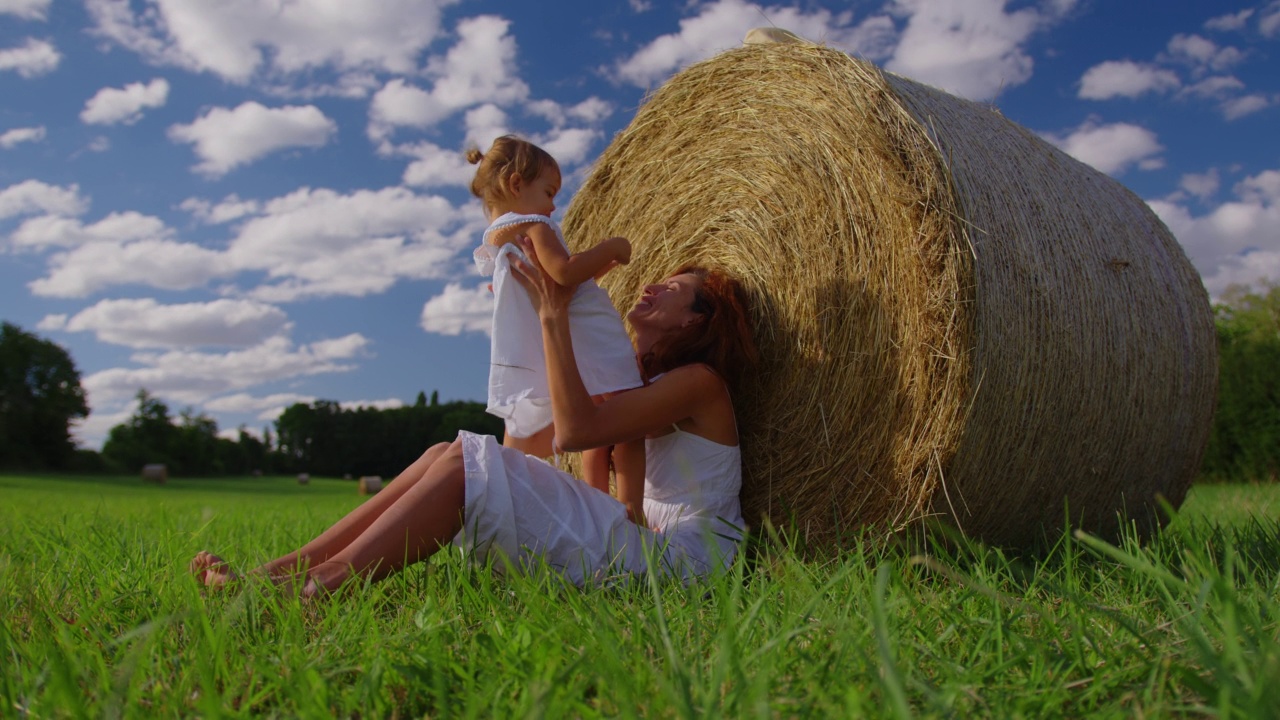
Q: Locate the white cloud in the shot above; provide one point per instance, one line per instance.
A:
(93, 430)
(640, 6)
(32, 196)
(1230, 21)
(485, 124)
(435, 166)
(972, 47)
(1269, 22)
(31, 59)
(1125, 79)
(225, 139)
(570, 146)
(385, 404)
(15, 136)
(1202, 53)
(1236, 108)
(145, 323)
(193, 377)
(1216, 86)
(457, 310)
(245, 403)
(164, 264)
(240, 38)
(99, 144)
(230, 209)
(58, 231)
(479, 68)
(1202, 186)
(310, 243)
(124, 105)
(1263, 188)
(26, 9)
(723, 24)
(319, 242)
(592, 111)
(1110, 148)
(1237, 241)
(268, 407)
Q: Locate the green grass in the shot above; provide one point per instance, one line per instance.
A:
(97, 618)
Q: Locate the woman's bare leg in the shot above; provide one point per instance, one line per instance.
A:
(331, 541)
(420, 521)
(537, 444)
(215, 572)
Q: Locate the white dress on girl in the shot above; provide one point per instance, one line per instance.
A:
(518, 391)
(521, 510)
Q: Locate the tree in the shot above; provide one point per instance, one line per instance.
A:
(1245, 442)
(149, 436)
(40, 396)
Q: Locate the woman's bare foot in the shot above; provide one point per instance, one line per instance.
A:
(211, 570)
(324, 579)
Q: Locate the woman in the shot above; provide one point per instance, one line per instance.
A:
(693, 340)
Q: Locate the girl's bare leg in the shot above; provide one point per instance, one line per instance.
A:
(595, 467)
(215, 572)
(595, 462)
(629, 469)
(421, 520)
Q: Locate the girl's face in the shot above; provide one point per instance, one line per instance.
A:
(536, 197)
(667, 305)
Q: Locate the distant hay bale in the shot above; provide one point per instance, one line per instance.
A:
(304, 478)
(956, 319)
(157, 473)
(370, 484)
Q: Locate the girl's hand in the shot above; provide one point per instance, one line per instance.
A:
(622, 249)
(549, 298)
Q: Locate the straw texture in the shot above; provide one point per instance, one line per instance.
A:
(955, 318)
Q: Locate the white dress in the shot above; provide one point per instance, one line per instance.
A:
(518, 390)
(527, 511)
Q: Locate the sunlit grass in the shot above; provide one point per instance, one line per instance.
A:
(98, 618)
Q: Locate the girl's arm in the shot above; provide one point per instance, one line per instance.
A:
(573, 270)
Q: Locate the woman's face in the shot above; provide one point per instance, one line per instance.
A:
(667, 305)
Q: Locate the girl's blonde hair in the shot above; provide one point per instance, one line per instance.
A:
(508, 154)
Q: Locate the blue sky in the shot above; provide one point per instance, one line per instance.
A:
(243, 204)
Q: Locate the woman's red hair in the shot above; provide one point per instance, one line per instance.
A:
(723, 340)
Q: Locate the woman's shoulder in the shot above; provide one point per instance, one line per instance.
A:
(699, 374)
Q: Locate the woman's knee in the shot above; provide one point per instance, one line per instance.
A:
(454, 465)
(435, 451)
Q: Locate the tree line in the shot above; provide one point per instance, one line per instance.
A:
(321, 438)
(41, 396)
(1245, 441)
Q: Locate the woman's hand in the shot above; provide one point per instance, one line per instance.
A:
(549, 298)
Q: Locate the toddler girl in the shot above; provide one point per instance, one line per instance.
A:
(517, 181)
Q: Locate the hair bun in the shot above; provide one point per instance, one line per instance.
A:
(474, 156)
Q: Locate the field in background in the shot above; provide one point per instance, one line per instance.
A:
(98, 618)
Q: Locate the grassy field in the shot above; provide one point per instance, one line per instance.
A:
(97, 618)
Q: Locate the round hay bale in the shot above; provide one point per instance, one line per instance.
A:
(955, 318)
(369, 484)
(157, 473)
(304, 478)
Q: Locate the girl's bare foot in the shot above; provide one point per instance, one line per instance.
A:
(211, 570)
